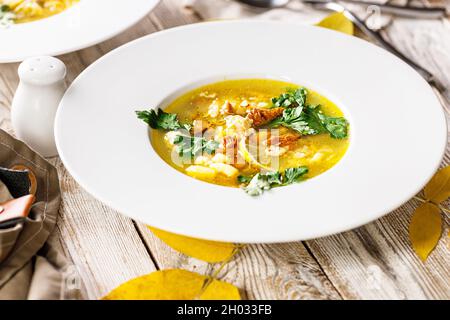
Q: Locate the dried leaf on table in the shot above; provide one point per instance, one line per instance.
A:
(173, 284)
(338, 22)
(425, 229)
(438, 189)
(209, 251)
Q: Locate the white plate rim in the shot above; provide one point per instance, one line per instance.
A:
(82, 37)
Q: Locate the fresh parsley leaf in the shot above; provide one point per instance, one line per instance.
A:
(6, 15)
(5, 8)
(274, 178)
(337, 127)
(293, 118)
(292, 98)
(310, 120)
(265, 181)
(244, 179)
(306, 119)
(158, 119)
(292, 175)
(191, 146)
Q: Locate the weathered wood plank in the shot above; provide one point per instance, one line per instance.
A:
(103, 244)
(377, 262)
(280, 271)
(171, 13)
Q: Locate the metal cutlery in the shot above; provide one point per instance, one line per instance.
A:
(372, 34)
(404, 11)
(377, 38)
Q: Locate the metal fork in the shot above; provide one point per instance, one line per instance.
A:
(376, 36)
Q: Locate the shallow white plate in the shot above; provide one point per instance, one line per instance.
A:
(84, 24)
(398, 130)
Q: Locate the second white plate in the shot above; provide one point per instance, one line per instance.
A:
(84, 24)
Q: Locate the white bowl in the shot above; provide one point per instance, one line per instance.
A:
(398, 130)
(84, 24)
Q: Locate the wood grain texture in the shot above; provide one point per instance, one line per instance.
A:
(376, 261)
(372, 262)
(103, 244)
(280, 271)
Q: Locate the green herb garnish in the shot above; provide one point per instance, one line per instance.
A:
(6, 16)
(292, 98)
(187, 145)
(258, 185)
(310, 120)
(158, 119)
(292, 175)
(5, 8)
(337, 127)
(191, 146)
(265, 181)
(244, 179)
(294, 118)
(306, 119)
(274, 178)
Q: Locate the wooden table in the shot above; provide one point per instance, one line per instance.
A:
(372, 262)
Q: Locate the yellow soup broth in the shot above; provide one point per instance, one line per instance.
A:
(224, 108)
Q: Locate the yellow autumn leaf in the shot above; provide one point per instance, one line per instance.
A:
(173, 284)
(337, 21)
(425, 229)
(209, 251)
(438, 189)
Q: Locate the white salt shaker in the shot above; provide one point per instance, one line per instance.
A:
(36, 100)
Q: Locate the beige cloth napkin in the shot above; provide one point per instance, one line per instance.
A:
(295, 11)
(30, 266)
